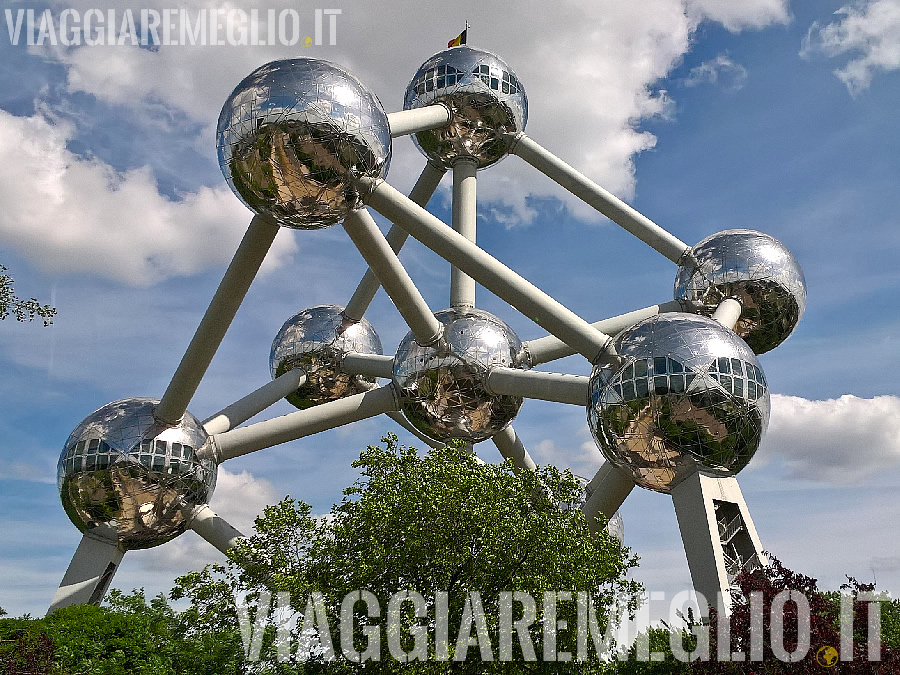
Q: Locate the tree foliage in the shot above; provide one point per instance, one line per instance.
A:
(23, 310)
(443, 522)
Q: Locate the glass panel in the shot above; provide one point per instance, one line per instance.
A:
(640, 368)
(78, 461)
(429, 85)
(159, 463)
(495, 83)
(93, 444)
(441, 81)
(726, 382)
(737, 367)
(661, 384)
(79, 447)
(642, 388)
(675, 366)
(146, 446)
(176, 449)
(628, 391)
(677, 383)
(659, 365)
(628, 373)
(724, 365)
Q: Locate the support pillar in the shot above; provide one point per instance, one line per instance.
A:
(719, 537)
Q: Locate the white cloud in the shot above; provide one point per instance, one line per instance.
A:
(718, 71)
(736, 16)
(840, 441)
(590, 70)
(868, 30)
(69, 214)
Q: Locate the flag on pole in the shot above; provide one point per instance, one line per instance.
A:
(459, 39)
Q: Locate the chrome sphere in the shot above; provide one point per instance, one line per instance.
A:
(315, 340)
(485, 98)
(293, 136)
(137, 478)
(755, 268)
(443, 389)
(687, 393)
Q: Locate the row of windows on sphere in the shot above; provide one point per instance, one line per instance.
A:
(446, 76)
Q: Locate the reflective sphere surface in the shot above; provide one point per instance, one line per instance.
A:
(688, 393)
(443, 392)
(484, 96)
(294, 134)
(123, 470)
(315, 340)
(758, 270)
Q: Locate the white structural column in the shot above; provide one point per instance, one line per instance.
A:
(244, 440)
(719, 537)
(549, 348)
(510, 446)
(557, 387)
(405, 122)
(91, 570)
(219, 315)
(215, 529)
(462, 286)
(368, 365)
(728, 312)
(489, 272)
(605, 202)
(242, 410)
(364, 233)
(606, 493)
(421, 193)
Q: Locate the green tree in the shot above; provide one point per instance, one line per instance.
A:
(23, 310)
(442, 522)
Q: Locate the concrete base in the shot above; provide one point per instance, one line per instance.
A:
(718, 534)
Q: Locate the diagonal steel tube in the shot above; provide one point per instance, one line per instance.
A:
(300, 424)
(396, 237)
(550, 348)
(510, 446)
(219, 315)
(255, 402)
(364, 233)
(557, 387)
(592, 194)
(488, 271)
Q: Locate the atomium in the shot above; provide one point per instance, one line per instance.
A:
(294, 136)
(688, 394)
(315, 340)
(485, 98)
(443, 385)
(122, 470)
(754, 268)
(677, 402)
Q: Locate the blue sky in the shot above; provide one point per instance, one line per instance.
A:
(705, 115)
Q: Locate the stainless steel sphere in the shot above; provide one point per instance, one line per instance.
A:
(315, 340)
(755, 268)
(124, 471)
(688, 393)
(443, 390)
(293, 136)
(484, 96)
